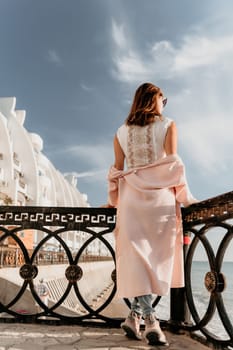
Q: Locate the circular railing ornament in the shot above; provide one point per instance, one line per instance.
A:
(215, 282)
(28, 272)
(73, 273)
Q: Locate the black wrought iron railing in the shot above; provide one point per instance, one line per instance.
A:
(75, 257)
(208, 227)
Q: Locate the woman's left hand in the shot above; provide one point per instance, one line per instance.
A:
(107, 206)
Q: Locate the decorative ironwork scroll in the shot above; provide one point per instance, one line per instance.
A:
(95, 224)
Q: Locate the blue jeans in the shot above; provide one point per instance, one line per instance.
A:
(142, 305)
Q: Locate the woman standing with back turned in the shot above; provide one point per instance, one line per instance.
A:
(148, 194)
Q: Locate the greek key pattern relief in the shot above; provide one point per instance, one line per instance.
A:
(58, 216)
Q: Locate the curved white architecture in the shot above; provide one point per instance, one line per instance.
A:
(27, 177)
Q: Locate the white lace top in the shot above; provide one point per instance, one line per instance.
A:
(143, 145)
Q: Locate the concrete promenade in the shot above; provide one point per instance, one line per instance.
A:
(51, 337)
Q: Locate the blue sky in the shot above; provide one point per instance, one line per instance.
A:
(74, 65)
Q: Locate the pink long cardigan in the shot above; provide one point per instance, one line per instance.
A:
(148, 233)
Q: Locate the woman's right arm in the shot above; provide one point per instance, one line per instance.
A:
(119, 165)
(119, 155)
(170, 144)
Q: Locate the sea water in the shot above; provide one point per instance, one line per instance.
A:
(201, 297)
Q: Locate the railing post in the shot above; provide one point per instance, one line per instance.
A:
(179, 311)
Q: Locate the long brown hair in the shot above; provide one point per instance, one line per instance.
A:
(144, 106)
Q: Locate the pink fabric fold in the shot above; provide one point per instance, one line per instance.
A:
(148, 232)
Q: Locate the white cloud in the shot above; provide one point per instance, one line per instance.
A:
(204, 119)
(96, 157)
(129, 68)
(202, 51)
(53, 57)
(96, 174)
(126, 60)
(86, 87)
(163, 59)
(207, 143)
(119, 35)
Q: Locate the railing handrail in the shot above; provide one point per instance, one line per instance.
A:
(218, 208)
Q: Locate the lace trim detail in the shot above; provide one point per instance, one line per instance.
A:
(140, 146)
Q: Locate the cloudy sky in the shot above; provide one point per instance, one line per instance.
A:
(74, 65)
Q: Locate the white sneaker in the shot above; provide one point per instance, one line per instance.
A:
(131, 326)
(153, 333)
